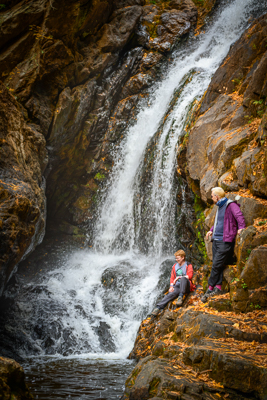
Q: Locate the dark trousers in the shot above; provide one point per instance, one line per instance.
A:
(222, 253)
(181, 287)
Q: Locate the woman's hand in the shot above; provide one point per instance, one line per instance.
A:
(171, 289)
(209, 233)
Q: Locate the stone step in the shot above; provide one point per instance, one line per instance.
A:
(232, 364)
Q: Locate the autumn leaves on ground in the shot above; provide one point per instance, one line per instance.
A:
(198, 352)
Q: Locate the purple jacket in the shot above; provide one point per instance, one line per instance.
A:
(233, 220)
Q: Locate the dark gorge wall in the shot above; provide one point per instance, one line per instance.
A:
(73, 74)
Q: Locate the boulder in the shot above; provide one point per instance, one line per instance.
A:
(254, 273)
(156, 378)
(231, 369)
(243, 246)
(116, 33)
(227, 182)
(12, 381)
(244, 165)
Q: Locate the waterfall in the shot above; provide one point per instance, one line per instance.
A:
(121, 218)
(92, 303)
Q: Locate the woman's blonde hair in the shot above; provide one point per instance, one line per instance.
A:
(180, 253)
(218, 191)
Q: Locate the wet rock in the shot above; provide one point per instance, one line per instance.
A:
(158, 349)
(136, 84)
(12, 382)
(105, 337)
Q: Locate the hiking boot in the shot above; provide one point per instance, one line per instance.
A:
(179, 301)
(209, 293)
(155, 312)
(205, 296)
(216, 292)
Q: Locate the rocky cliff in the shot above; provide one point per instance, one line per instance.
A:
(206, 351)
(227, 147)
(73, 74)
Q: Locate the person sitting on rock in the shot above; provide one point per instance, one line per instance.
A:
(180, 282)
(229, 221)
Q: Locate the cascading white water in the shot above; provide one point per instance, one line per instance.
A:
(92, 305)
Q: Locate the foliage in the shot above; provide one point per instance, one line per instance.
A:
(262, 222)
(99, 177)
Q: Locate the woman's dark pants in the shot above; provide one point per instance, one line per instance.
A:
(183, 286)
(222, 253)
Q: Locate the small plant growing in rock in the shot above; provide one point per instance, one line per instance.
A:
(244, 285)
(99, 176)
(248, 251)
(249, 118)
(235, 280)
(237, 82)
(260, 223)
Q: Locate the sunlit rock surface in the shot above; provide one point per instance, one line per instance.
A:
(12, 381)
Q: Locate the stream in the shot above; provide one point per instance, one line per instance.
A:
(75, 321)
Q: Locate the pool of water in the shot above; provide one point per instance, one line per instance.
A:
(53, 378)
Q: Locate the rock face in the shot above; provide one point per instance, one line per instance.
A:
(227, 144)
(192, 353)
(12, 383)
(22, 188)
(227, 147)
(73, 73)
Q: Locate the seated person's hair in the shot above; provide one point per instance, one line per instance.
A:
(180, 253)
